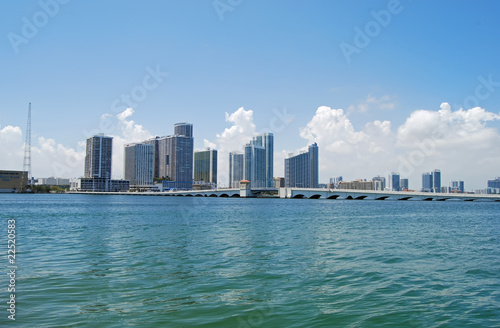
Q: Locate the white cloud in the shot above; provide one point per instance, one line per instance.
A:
(50, 158)
(11, 148)
(459, 143)
(231, 139)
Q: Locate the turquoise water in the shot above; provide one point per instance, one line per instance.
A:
(124, 261)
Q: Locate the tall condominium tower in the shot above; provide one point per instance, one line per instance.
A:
(174, 156)
(236, 165)
(155, 142)
(205, 166)
(301, 171)
(426, 182)
(259, 161)
(431, 181)
(98, 157)
(395, 181)
(436, 181)
(139, 164)
(255, 165)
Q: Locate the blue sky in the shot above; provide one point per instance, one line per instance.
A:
(263, 56)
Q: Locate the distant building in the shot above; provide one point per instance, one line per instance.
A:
(394, 182)
(404, 184)
(431, 181)
(457, 186)
(255, 165)
(51, 181)
(98, 157)
(436, 180)
(301, 171)
(334, 182)
(97, 172)
(379, 183)
(102, 184)
(205, 166)
(236, 164)
(75, 184)
(156, 144)
(427, 184)
(357, 185)
(495, 183)
(13, 181)
(175, 157)
(259, 161)
(139, 164)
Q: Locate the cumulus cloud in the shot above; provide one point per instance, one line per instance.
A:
(11, 147)
(51, 158)
(458, 142)
(344, 150)
(233, 138)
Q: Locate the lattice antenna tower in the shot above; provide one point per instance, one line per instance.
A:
(27, 147)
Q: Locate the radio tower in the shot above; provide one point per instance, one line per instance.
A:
(27, 147)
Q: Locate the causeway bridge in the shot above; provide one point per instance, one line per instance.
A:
(315, 193)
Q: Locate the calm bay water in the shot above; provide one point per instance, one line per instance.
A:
(120, 261)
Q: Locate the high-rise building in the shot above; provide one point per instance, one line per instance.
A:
(495, 183)
(457, 186)
(427, 184)
(139, 164)
(255, 165)
(98, 157)
(394, 181)
(301, 171)
(183, 129)
(155, 142)
(174, 157)
(431, 181)
(436, 181)
(404, 184)
(236, 165)
(97, 172)
(259, 161)
(205, 166)
(268, 144)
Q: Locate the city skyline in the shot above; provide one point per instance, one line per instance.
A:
(375, 101)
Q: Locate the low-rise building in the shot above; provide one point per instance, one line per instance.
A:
(356, 185)
(13, 181)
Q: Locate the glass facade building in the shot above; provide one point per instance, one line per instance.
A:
(139, 164)
(236, 165)
(259, 161)
(431, 181)
(98, 157)
(395, 183)
(205, 166)
(404, 184)
(301, 171)
(173, 157)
